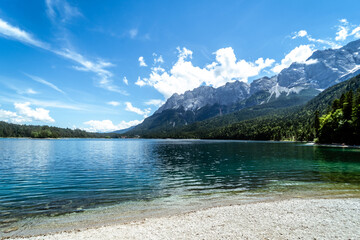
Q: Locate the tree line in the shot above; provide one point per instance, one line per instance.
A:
(31, 131)
(331, 117)
(342, 123)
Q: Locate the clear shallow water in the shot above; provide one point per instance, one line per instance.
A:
(47, 178)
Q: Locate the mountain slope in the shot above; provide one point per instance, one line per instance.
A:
(294, 123)
(295, 84)
(262, 122)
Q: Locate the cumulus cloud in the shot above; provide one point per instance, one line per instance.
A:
(356, 32)
(140, 82)
(113, 103)
(341, 34)
(301, 33)
(184, 76)
(142, 62)
(108, 125)
(346, 30)
(158, 59)
(12, 117)
(299, 54)
(39, 114)
(131, 108)
(24, 113)
(155, 102)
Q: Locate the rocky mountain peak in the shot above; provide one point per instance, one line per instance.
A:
(197, 98)
(322, 69)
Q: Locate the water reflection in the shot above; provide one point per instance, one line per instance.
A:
(51, 177)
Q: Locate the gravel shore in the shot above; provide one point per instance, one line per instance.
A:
(281, 219)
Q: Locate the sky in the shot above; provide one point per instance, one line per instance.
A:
(106, 65)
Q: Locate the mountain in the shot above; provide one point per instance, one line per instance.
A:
(199, 97)
(122, 131)
(323, 68)
(263, 122)
(293, 86)
(294, 123)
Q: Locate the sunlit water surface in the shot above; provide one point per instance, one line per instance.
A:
(53, 185)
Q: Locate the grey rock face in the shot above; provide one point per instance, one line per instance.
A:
(262, 84)
(322, 70)
(199, 97)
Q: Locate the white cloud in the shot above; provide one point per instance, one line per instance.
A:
(24, 113)
(299, 54)
(142, 62)
(133, 33)
(17, 34)
(155, 102)
(9, 116)
(311, 61)
(356, 32)
(125, 81)
(301, 33)
(185, 76)
(131, 108)
(30, 91)
(39, 114)
(345, 30)
(61, 10)
(42, 81)
(341, 34)
(20, 90)
(158, 59)
(57, 104)
(113, 103)
(108, 125)
(304, 33)
(98, 67)
(140, 82)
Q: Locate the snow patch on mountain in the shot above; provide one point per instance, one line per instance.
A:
(278, 90)
(321, 70)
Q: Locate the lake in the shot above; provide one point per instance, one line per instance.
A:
(50, 185)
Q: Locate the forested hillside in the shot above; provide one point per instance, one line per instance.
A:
(265, 122)
(16, 130)
(342, 123)
(331, 117)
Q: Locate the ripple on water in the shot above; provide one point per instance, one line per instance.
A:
(53, 184)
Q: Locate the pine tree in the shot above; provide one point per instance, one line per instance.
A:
(347, 105)
(316, 123)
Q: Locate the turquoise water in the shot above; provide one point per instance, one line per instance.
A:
(48, 178)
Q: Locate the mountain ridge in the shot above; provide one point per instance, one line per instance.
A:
(324, 68)
(262, 122)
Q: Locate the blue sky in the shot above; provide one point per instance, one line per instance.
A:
(106, 65)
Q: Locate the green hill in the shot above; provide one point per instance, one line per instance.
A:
(262, 122)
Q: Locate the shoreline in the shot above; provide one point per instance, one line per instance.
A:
(337, 145)
(282, 218)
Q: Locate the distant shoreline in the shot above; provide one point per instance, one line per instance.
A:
(337, 145)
